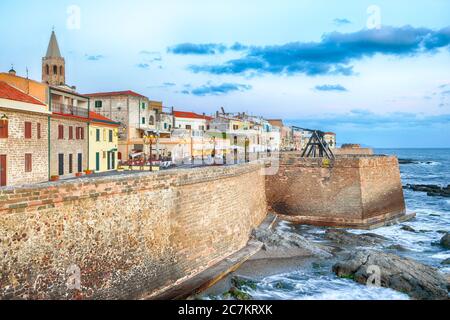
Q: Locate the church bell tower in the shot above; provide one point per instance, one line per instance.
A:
(53, 64)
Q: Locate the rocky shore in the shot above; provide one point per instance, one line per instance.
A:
(367, 258)
(431, 189)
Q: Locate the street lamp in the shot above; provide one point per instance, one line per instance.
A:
(149, 139)
(213, 153)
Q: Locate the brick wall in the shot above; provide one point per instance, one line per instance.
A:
(353, 151)
(350, 191)
(16, 146)
(130, 235)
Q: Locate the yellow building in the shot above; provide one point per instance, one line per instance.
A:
(103, 143)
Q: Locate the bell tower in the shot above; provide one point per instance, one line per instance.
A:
(53, 64)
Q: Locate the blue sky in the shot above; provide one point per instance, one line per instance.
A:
(375, 75)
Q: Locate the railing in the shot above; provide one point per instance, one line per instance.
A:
(70, 110)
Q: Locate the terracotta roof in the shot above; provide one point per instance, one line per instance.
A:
(95, 117)
(115, 93)
(330, 133)
(190, 115)
(11, 93)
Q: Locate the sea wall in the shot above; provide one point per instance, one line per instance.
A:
(351, 191)
(353, 151)
(125, 236)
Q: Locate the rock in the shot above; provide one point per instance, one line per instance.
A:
(406, 161)
(445, 241)
(408, 228)
(239, 283)
(285, 244)
(397, 247)
(402, 274)
(432, 190)
(343, 237)
(446, 261)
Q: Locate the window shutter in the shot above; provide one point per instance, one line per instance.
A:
(70, 133)
(82, 133)
(4, 128)
(60, 132)
(27, 130)
(38, 129)
(77, 133)
(28, 162)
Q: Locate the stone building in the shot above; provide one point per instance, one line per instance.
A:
(330, 138)
(136, 114)
(23, 138)
(70, 117)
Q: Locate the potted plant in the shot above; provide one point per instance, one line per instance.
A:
(89, 172)
(79, 174)
(54, 178)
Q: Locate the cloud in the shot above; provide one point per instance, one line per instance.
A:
(363, 119)
(143, 65)
(216, 90)
(341, 22)
(149, 53)
(197, 49)
(330, 87)
(94, 57)
(334, 54)
(162, 86)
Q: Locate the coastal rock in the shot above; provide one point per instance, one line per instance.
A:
(445, 241)
(446, 262)
(405, 275)
(283, 244)
(432, 190)
(408, 228)
(406, 161)
(343, 237)
(397, 247)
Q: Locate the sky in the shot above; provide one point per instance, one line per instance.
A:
(375, 72)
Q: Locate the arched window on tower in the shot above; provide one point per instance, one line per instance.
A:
(47, 69)
(61, 70)
(55, 69)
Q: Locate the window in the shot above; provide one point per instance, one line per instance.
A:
(143, 105)
(28, 162)
(27, 130)
(97, 135)
(47, 70)
(165, 126)
(77, 133)
(55, 70)
(235, 127)
(188, 127)
(60, 132)
(70, 133)
(3, 129)
(98, 104)
(70, 163)
(110, 136)
(152, 120)
(82, 133)
(201, 128)
(60, 70)
(38, 129)
(143, 120)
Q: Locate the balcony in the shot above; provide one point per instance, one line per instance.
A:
(70, 110)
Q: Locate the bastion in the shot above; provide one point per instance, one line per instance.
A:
(363, 191)
(125, 236)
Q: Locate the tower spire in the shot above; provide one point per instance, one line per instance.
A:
(53, 64)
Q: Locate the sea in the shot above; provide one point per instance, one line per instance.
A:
(430, 166)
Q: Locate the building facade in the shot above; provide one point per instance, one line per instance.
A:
(23, 138)
(103, 143)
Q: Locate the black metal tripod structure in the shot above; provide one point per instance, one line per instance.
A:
(317, 147)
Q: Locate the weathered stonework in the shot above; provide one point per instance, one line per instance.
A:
(16, 146)
(359, 192)
(130, 235)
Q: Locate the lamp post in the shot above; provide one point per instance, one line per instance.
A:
(247, 144)
(213, 154)
(149, 139)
